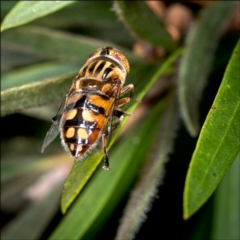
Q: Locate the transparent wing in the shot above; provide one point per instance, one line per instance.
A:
(55, 128)
(51, 135)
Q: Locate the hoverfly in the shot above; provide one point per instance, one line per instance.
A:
(94, 99)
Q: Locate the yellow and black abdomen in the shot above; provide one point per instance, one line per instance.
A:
(85, 118)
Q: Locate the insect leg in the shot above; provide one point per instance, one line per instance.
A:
(104, 145)
(129, 88)
(120, 115)
(121, 103)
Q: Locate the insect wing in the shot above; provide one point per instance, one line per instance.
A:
(51, 135)
(55, 128)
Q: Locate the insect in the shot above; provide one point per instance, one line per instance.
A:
(94, 100)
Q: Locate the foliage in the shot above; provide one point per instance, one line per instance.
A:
(183, 76)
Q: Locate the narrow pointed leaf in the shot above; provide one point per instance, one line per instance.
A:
(44, 113)
(11, 58)
(135, 15)
(83, 13)
(82, 170)
(146, 188)
(218, 143)
(197, 59)
(27, 11)
(34, 94)
(35, 73)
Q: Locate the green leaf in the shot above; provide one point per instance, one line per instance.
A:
(226, 205)
(84, 14)
(135, 15)
(35, 73)
(44, 113)
(106, 189)
(34, 94)
(218, 143)
(52, 44)
(197, 59)
(26, 11)
(11, 59)
(150, 178)
(82, 170)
